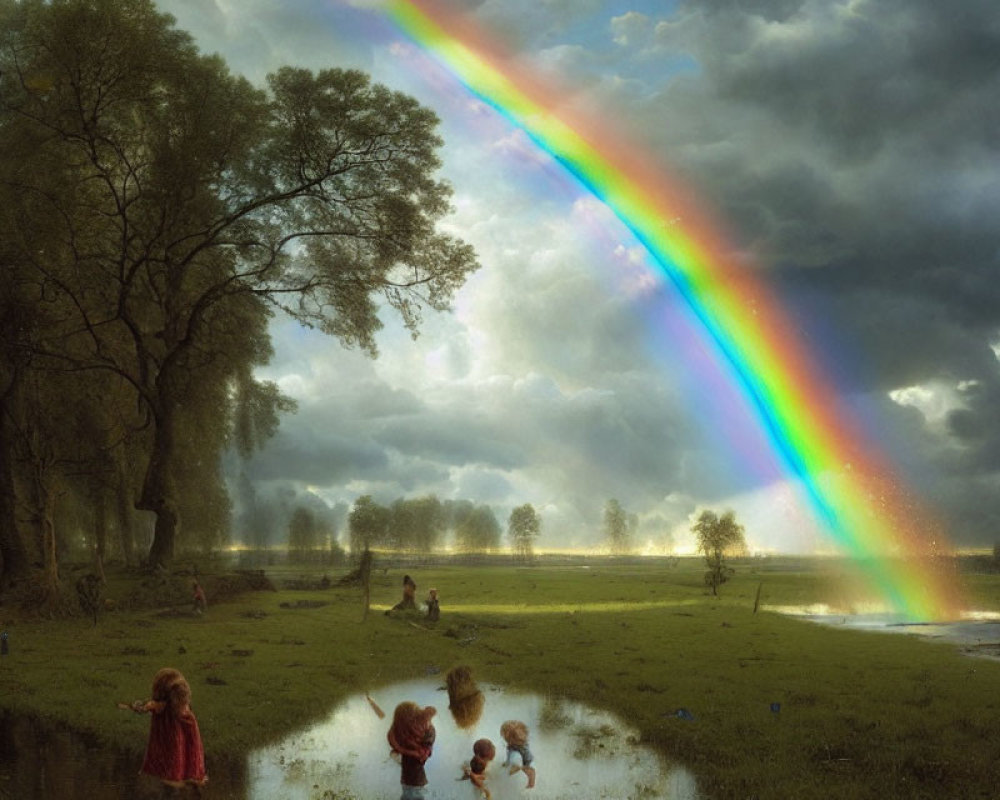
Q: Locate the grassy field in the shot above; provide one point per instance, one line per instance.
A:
(862, 714)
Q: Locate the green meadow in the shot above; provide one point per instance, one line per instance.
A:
(861, 714)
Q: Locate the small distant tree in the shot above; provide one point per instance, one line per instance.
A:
(368, 524)
(717, 537)
(302, 535)
(996, 554)
(619, 526)
(523, 527)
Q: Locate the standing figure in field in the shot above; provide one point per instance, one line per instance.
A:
(411, 740)
(515, 734)
(483, 752)
(174, 752)
(465, 700)
(433, 606)
(200, 603)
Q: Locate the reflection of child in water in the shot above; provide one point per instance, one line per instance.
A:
(465, 700)
(174, 752)
(483, 752)
(411, 739)
(515, 734)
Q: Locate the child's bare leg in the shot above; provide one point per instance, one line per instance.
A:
(513, 768)
(530, 772)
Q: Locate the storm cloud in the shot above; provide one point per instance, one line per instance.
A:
(848, 148)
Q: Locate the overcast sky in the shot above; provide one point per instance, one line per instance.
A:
(850, 151)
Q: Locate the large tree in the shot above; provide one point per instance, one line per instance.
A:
(170, 207)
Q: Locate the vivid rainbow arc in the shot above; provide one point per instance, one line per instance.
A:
(848, 487)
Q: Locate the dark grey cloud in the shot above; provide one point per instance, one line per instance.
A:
(853, 147)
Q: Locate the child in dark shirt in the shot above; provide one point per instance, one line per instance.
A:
(411, 740)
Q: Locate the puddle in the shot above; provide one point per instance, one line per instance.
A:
(976, 633)
(579, 753)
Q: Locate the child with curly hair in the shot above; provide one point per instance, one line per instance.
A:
(174, 751)
(515, 734)
(411, 741)
(483, 752)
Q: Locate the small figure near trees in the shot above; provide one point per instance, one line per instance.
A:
(433, 606)
(88, 592)
(200, 602)
(717, 537)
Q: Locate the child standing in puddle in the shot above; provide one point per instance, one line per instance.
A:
(411, 739)
(515, 734)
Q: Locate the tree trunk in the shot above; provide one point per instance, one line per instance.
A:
(158, 493)
(161, 552)
(126, 520)
(100, 531)
(43, 500)
(14, 562)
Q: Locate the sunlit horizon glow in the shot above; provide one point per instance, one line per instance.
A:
(849, 488)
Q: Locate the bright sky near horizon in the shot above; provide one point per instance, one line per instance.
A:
(848, 150)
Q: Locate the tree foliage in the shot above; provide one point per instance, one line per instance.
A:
(367, 524)
(156, 210)
(718, 537)
(478, 531)
(619, 527)
(523, 527)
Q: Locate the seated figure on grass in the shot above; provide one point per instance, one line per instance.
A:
(409, 601)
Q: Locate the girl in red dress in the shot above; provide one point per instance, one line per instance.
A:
(174, 752)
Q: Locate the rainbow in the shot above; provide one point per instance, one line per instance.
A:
(849, 488)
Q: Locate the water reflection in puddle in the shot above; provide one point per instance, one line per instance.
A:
(579, 753)
(976, 633)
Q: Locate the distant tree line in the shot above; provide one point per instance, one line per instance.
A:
(155, 212)
(422, 525)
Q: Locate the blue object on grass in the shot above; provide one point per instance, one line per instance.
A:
(683, 713)
(775, 707)
(4, 649)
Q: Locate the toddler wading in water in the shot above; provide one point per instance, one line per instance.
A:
(483, 752)
(515, 734)
(411, 738)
